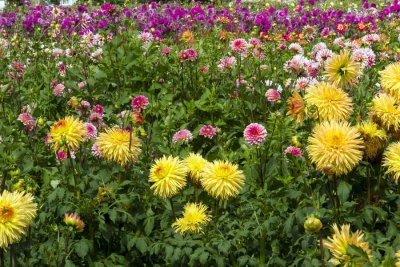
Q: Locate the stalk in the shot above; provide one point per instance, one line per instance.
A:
(65, 250)
(321, 248)
(172, 208)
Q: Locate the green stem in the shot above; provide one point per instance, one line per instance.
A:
(263, 247)
(321, 248)
(172, 208)
(65, 249)
(76, 189)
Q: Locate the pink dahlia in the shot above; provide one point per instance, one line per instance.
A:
(272, 95)
(184, 135)
(24, 118)
(207, 131)
(92, 131)
(98, 109)
(165, 51)
(96, 118)
(293, 150)
(96, 152)
(59, 89)
(139, 103)
(255, 134)
(239, 46)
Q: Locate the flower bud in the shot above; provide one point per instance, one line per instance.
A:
(312, 225)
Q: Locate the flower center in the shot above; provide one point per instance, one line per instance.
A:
(6, 213)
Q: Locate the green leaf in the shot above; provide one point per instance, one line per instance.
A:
(149, 225)
(82, 247)
(141, 245)
(203, 257)
(344, 190)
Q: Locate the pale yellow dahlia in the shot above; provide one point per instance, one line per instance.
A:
(392, 160)
(17, 210)
(390, 79)
(222, 179)
(339, 242)
(168, 176)
(196, 164)
(337, 145)
(194, 215)
(332, 102)
(386, 113)
(119, 145)
(374, 139)
(342, 70)
(398, 258)
(68, 133)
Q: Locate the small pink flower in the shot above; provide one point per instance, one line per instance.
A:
(62, 155)
(24, 118)
(165, 51)
(81, 84)
(139, 103)
(293, 150)
(184, 135)
(96, 152)
(272, 95)
(226, 63)
(92, 131)
(207, 131)
(59, 89)
(380, 92)
(98, 109)
(26, 108)
(205, 69)
(255, 134)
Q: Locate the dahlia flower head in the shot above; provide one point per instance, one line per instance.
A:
(75, 221)
(255, 134)
(140, 102)
(183, 135)
(194, 216)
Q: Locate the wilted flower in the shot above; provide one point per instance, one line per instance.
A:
(75, 221)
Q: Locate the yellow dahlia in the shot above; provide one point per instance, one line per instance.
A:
(194, 215)
(332, 102)
(222, 179)
(392, 160)
(339, 242)
(67, 133)
(341, 69)
(168, 176)
(16, 213)
(119, 145)
(390, 79)
(196, 164)
(398, 258)
(374, 139)
(386, 113)
(335, 144)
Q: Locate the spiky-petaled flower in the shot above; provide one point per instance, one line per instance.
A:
(67, 133)
(374, 139)
(339, 242)
(183, 135)
(75, 221)
(255, 134)
(332, 102)
(392, 160)
(390, 79)
(398, 258)
(335, 144)
(196, 164)
(194, 215)
(341, 69)
(168, 176)
(17, 210)
(296, 107)
(119, 145)
(222, 179)
(386, 113)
